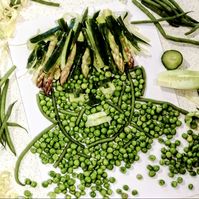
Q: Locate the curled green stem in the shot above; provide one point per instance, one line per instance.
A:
(25, 151)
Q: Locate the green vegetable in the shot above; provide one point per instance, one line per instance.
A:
(161, 30)
(139, 176)
(192, 119)
(190, 186)
(24, 152)
(152, 157)
(160, 19)
(179, 79)
(48, 3)
(172, 59)
(134, 192)
(161, 182)
(174, 184)
(44, 35)
(5, 77)
(126, 187)
(27, 193)
(55, 55)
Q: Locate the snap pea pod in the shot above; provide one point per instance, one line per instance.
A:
(25, 151)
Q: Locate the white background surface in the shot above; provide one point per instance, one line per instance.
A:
(29, 25)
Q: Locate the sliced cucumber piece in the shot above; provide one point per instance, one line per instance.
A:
(179, 79)
(172, 59)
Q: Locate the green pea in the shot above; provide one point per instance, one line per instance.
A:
(174, 184)
(27, 193)
(139, 176)
(190, 186)
(161, 182)
(126, 187)
(134, 192)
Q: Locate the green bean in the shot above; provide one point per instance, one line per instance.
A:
(47, 3)
(62, 155)
(2, 115)
(9, 141)
(100, 141)
(132, 96)
(3, 99)
(5, 77)
(80, 116)
(60, 123)
(196, 27)
(114, 106)
(161, 30)
(160, 19)
(140, 129)
(184, 112)
(24, 152)
(164, 6)
(5, 119)
(67, 112)
(152, 3)
(42, 112)
(122, 93)
(13, 124)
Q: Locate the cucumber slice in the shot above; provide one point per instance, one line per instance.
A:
(172, 59)
(179, 79)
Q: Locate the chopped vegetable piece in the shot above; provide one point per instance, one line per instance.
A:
(179, 79)
(172, 59)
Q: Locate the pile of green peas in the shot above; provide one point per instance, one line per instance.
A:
(109, 144)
